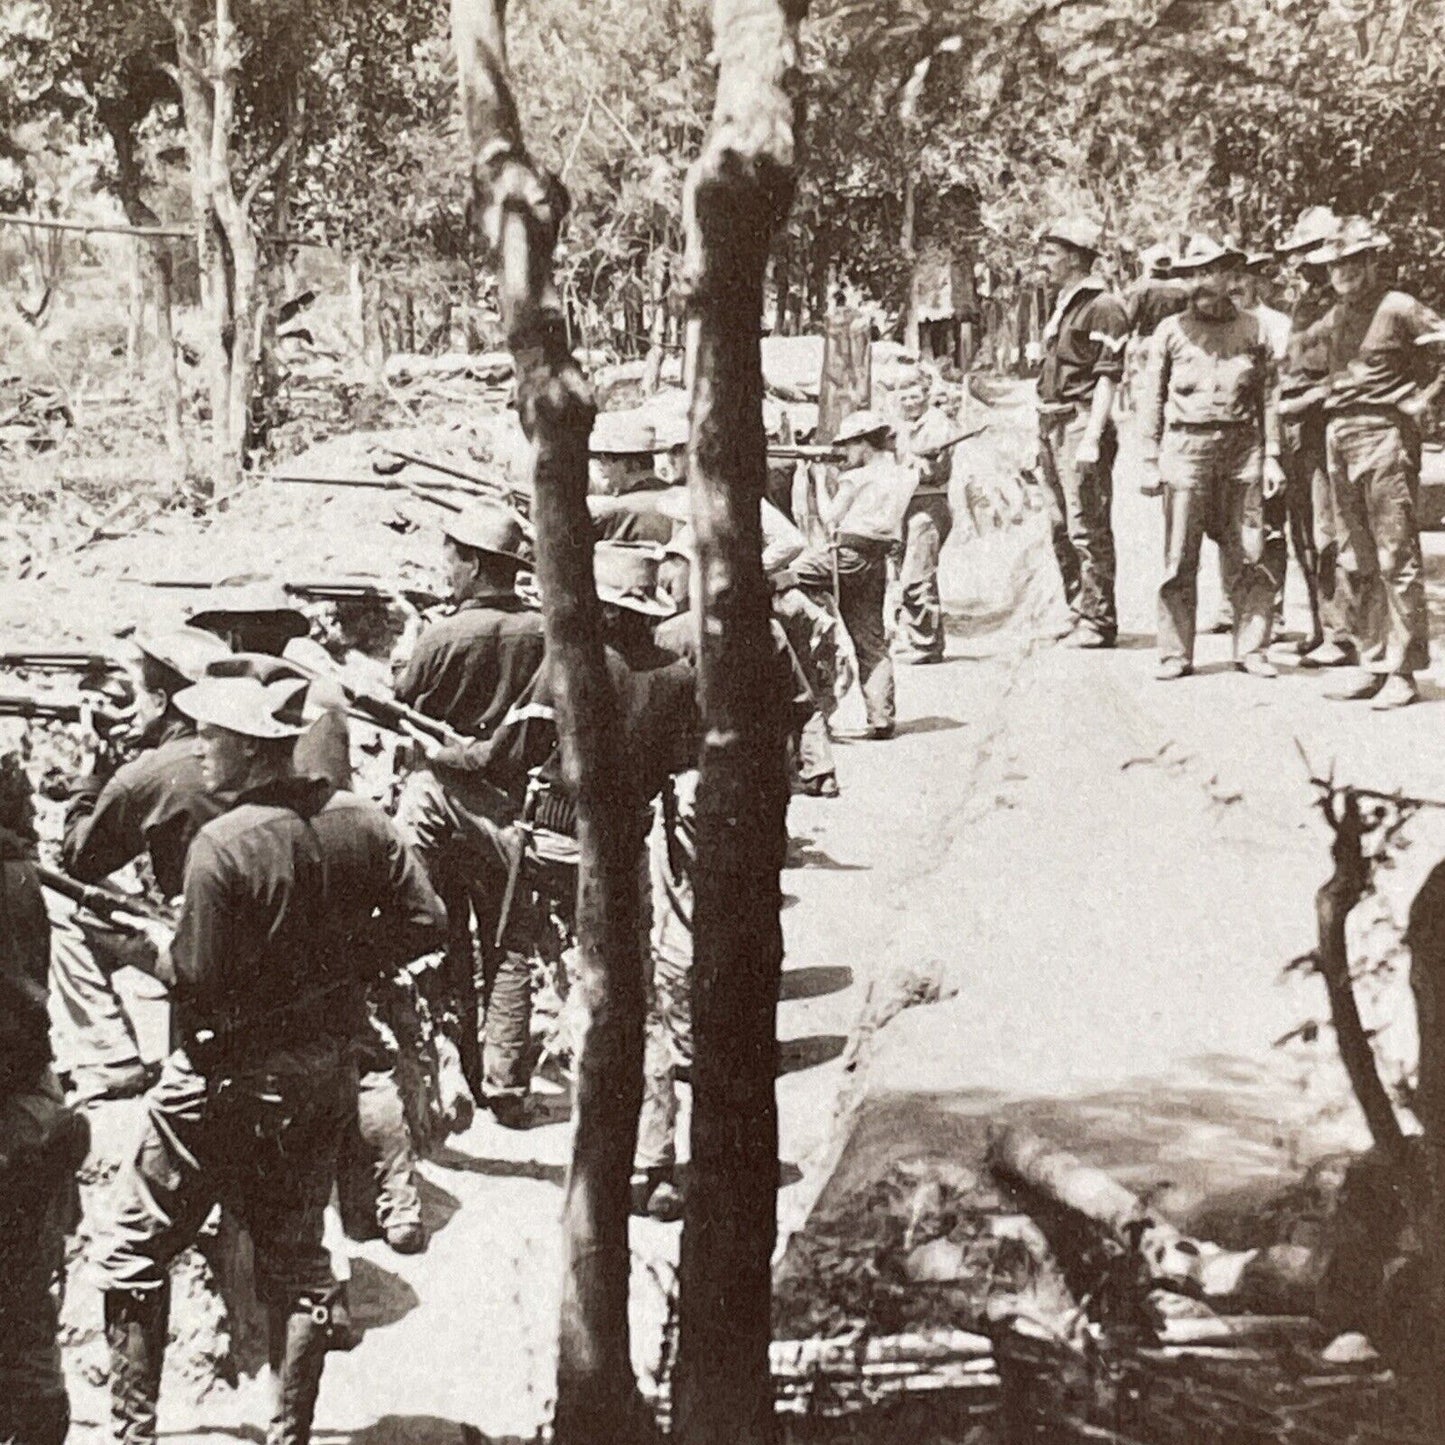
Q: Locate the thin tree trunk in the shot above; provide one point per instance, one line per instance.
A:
(907, 242)
(1333, 905)
(738, 193)
(522, 207)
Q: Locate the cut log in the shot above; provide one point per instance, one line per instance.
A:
(1172, 1259)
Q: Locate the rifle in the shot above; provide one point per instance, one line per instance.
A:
(87, 664)
(513, 496)
(112, 907)
(340, 589)
(35, 709)
(383, 711)
(835, 456)
(422, 491)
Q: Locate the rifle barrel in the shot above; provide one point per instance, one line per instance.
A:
(516, 498)
(100, 900)
(84, 662)
(14, 704)
(386, 484)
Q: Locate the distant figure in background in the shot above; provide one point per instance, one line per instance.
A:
(923, 443)
(1083, 363)
(1384, 371)
(865, 522)
(1302, 385)
(1210, 436)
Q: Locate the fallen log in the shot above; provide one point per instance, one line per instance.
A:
(847, 1355)
(1172, 1260)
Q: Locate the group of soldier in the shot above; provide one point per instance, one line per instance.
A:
(1255, 426)
(299, 899)
(296, 900)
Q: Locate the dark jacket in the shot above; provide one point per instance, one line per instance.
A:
(469, 669)
(24, 966)
(155, 804)
(294, 899)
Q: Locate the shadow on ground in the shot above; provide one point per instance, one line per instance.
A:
(815, 981)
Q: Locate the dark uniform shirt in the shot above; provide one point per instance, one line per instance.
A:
(156, 803)
(1373, 358)
(470, 668)
(1151, 300)
(24, 966)
(1083, 344)
(1307, 359)
(293, 900)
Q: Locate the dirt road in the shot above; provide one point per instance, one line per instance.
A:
(1063, 892)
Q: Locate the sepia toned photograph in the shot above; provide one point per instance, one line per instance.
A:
(720, 722)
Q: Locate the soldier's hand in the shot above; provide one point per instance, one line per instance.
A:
(1274, 478)
(1150, 482)
(422, 742)
(1086, 454)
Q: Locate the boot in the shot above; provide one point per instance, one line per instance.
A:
(135, 1330)
(298, 1344)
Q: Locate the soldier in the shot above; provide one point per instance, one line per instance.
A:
(257, 619)
(152, 806)
(1302, 440)
(624, 487)
(41, 1142)
(293, 899)
(1083, 363)
(1381, 378)
(1246, 288)
(924, 442)
(1211, 444)
(470, 670)
(865, 520)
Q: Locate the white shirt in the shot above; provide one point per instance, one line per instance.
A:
(875, 496)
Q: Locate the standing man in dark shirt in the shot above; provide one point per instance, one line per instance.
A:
(1302, 378)
(293, 899)
(1083, 364)
(1382, 375)
(470, 670)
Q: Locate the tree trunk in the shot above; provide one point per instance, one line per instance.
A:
(153, 256)
(738, 193)
(521, 206)
(1333, 905)
(847, 381)
(907, 243)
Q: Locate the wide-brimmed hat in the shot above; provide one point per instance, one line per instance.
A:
(1315, 226)
(186, 651)
(229, 603)
(1077, 231)
(683, 544)
(626, 574)
(491, 528)
(246, 705)
(1356, 237)
(1259, 260)
(1157, 260)
(1203, 252)
(859, 424)
(623, 434)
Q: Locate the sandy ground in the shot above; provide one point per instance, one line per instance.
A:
(1064, 893)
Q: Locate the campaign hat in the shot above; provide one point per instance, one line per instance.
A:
(623, 434)
(244, 704)
(492, 528)
(185, 651)
(1205, 251)
(1077, 231)
(626, 574)
(860, 424)
(1356, 237)
(1315, 226)
(229, 602)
